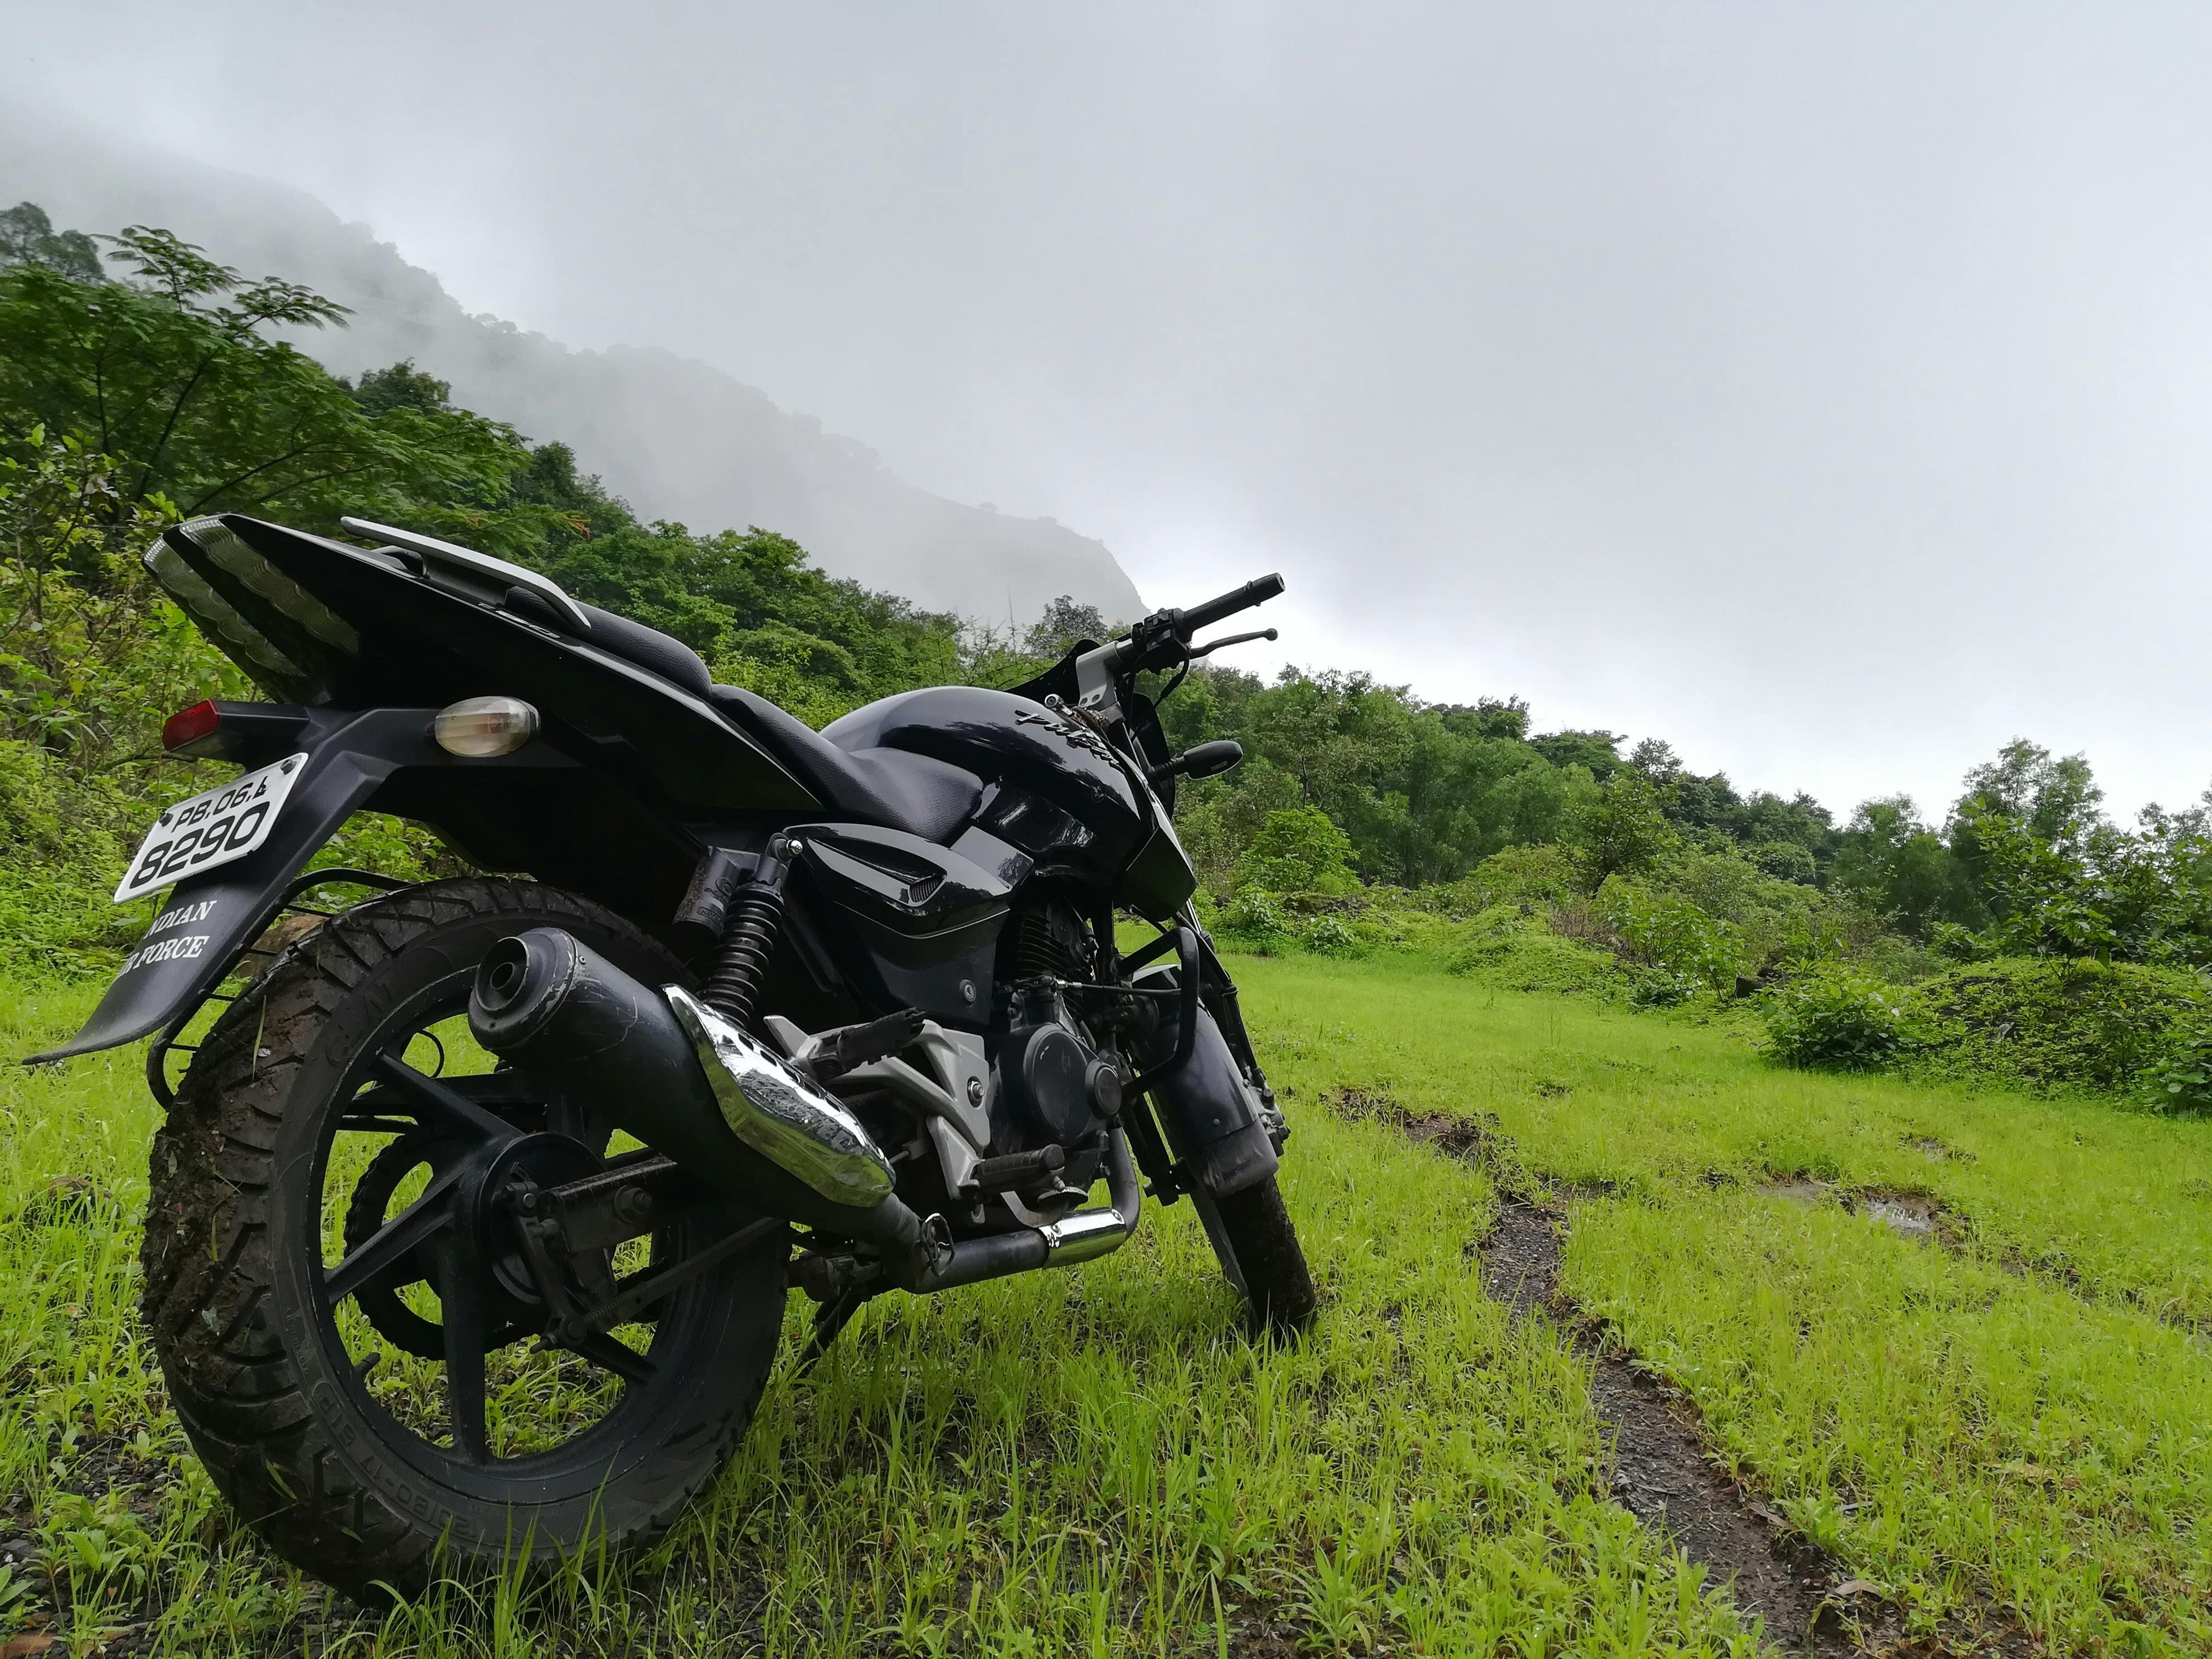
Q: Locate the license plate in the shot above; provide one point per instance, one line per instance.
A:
(212, 829)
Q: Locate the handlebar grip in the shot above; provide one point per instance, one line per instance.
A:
(1258, 592)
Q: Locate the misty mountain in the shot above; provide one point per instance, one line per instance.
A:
(680, 439)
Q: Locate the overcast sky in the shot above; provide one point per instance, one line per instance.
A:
(1829, 392)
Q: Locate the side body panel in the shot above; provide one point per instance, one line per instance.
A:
(926, 919)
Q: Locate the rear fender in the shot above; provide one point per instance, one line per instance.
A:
(210, 919)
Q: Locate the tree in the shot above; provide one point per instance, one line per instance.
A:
(1890, 861)
(174, 371)
(92, 658)
(1655, 758)
(27, 237)
(1491, 717)
(1598, 751)
(1064, 625)
(1300, 850)
(1622, 830)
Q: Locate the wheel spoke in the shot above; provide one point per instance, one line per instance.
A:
(447, 1105)
(385, 1251)
(610, 1353)
(460, 1303)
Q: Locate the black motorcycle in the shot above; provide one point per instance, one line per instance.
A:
(474, 1216)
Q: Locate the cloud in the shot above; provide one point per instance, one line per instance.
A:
(1824, 391)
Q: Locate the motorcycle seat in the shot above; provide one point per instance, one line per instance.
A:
(890, 788)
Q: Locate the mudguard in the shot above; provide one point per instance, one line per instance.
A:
(210, 920)
(1214, 1125)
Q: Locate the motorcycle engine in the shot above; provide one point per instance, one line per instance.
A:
(1053, 1087)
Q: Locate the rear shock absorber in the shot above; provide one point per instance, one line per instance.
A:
(749, 937)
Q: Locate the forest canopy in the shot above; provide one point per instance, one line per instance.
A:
(142, 381)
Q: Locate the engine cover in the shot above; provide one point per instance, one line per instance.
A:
(1045, 1071)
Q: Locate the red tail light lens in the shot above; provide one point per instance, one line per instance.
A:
(189, 725)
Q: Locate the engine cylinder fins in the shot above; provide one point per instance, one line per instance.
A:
(1050, 942)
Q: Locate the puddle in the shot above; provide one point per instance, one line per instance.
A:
(1913, 1214)
(1799, 1189)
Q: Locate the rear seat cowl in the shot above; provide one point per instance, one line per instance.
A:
(633, 642)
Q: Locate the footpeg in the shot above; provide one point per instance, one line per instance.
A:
(998, 1175)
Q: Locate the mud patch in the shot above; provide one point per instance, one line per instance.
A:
(1661, 1474)
(1929, 1146)
(1473, 1139)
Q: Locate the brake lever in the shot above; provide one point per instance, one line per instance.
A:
(1213, 646)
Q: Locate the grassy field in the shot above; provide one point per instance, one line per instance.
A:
(2003, 1421)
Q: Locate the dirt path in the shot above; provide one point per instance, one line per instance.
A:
(1660, 1473)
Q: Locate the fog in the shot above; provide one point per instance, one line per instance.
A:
(1827, 393)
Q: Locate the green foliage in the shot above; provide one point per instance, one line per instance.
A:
(2051, 1022)
(92, 656)
(175, 372)
(1300, 850)
(1678, 949)
(27, 237)
(1622, 830)
(1256, 919)
(1836, 1019)
(2179, 1080)
(2087, 888)
(1895, 865)
(1503, 947)
(1526, 873)
(1332, 936)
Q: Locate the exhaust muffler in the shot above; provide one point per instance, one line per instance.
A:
(688, 1083)
(703, 1092)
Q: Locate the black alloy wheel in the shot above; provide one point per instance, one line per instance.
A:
(356, 1330)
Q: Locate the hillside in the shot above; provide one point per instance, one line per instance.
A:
(679, 438)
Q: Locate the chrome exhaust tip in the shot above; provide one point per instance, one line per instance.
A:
(796, 1127)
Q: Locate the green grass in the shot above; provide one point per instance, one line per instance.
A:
(1089, 1461)
(2026, 1422)
(1098, 1461)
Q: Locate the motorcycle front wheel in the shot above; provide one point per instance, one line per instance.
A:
(1257, 1245)
(346, 1335)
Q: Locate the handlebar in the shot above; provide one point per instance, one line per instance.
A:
(1163, 637)
(1259, 592)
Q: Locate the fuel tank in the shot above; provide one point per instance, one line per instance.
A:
(1056, 790)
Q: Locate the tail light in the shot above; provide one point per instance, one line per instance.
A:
(250, 733)
(190, 726)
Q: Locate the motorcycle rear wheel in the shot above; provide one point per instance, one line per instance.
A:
(324, 1418)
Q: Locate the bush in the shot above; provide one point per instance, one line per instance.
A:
(1300, 850)
(1546, 871)
(2047, 1022)
(1835, 1018)
(1256, 919)
(1332, 936)
(2180, 1080)
(1517, 953)
(1679, 948)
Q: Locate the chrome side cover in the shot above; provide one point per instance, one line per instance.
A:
(792, 1126)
